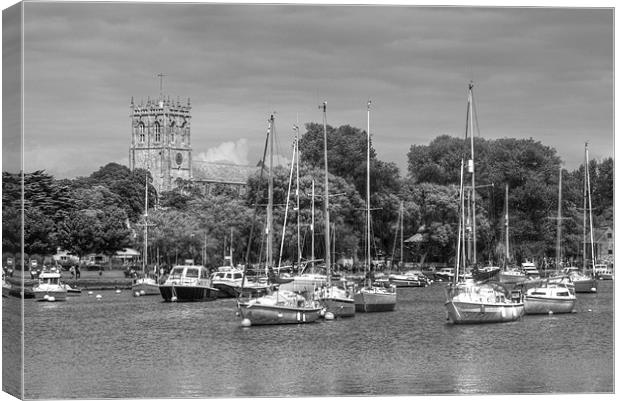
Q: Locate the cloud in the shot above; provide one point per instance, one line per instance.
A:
(227, 152)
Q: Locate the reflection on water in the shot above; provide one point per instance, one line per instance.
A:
(126, 347)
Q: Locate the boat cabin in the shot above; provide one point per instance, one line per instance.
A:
(187, 274)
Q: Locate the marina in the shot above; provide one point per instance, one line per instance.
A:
(120, 340)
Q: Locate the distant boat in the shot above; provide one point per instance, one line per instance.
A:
(550, 298)
(372, 298)
(49, 286)
(145, 285)
(188, 283)
(467, 301)
(411, 278)
(334, 296)
(583, 283)
(530, 271)
(228, 281)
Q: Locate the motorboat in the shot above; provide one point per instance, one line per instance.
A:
(375, 298)
(530, 271)
(485, 273)
(49, 286)
(512, 275)
(278, 307)
(411, 278)
(605, 274)
(471, 302)
(552, 297)
(188, 283)
(230, 283)
(145, 286)
(72, 291)
(444, 274)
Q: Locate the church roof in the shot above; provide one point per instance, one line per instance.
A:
(222, 172)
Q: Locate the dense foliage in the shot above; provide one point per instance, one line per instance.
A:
(104, 212)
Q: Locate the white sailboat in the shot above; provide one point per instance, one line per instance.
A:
(336, 299)
(468, 301)
(145, 285)
(371, 297)
(279, 306)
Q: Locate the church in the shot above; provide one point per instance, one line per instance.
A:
(161, 144)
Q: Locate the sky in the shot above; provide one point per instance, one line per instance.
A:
(541, 73)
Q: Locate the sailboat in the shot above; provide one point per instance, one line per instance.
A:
(336, 299)
(410, 278)
(509, 275)
(584, 282)
(469, 301)
(555, 294)
(278, 306)
(145, 285)
(371, 297)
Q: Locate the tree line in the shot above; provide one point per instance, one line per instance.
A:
(104, 212)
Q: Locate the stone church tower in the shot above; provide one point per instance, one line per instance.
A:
(160, 140)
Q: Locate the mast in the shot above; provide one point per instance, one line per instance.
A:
(470, 101)
(461, 227)
(402, 212)
(326, 196)
(297, 196)
(590, 210)
(312, 227)
(558, 244)
(270, 196)
(368, 186)
(507, 231)
(146, 221)
(231, 247)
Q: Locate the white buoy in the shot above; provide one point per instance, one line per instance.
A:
(246, 322)
(46, 296)
(136, 294)
(90, 293)
(593, 289)
(51, 299)
(142, 292)
(173, 299)
(98, 296)
(329, 316)
(118, 291)
(550, 312)
(237, 314)
(322, 313)
(589, 310)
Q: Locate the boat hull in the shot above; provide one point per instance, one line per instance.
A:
(585, 286)
(544, 305)
(259, 314)
(339, 307)
(408, 283)
(374, 302)
(181, 293)
(507, 278)
(145, 289)
(462, 312)
(44, 295)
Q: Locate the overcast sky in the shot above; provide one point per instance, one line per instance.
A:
(544, 73)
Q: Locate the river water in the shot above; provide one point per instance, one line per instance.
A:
(126, 347)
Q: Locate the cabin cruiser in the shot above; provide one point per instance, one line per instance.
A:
(411, 278)
(471, 302)
(551, 297)
(187, 283)
(49, 286)
(230, 282)
(530, 271)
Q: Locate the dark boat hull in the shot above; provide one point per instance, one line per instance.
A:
(339, 307)
(368, 302)
(585, 286)
(273, 314)
(188, 293)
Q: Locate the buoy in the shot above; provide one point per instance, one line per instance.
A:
(589, 310)
(246, 322)
(51, 299)
(118, 291)
(173, 299)
(322, 313)
(46, 296)
(90, 293)
(593, 289)
(237, 314)
(142, 292)
(329, 316)
(98, 296)
(551, 312)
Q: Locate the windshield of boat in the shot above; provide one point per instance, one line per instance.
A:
(192, 272)
(177, 272)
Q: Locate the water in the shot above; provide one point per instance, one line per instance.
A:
(126, 347)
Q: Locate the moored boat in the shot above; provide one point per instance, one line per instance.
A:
(49, 286)
(278, 307)
(411, 278)
(550, 298)
(229, 280)
(188, 283)
(583, 283)
(145, 286)
(469, 302)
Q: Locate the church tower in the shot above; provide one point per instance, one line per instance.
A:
(160, 140)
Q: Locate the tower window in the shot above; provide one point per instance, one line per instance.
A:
(157, 132)
(141, 132)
